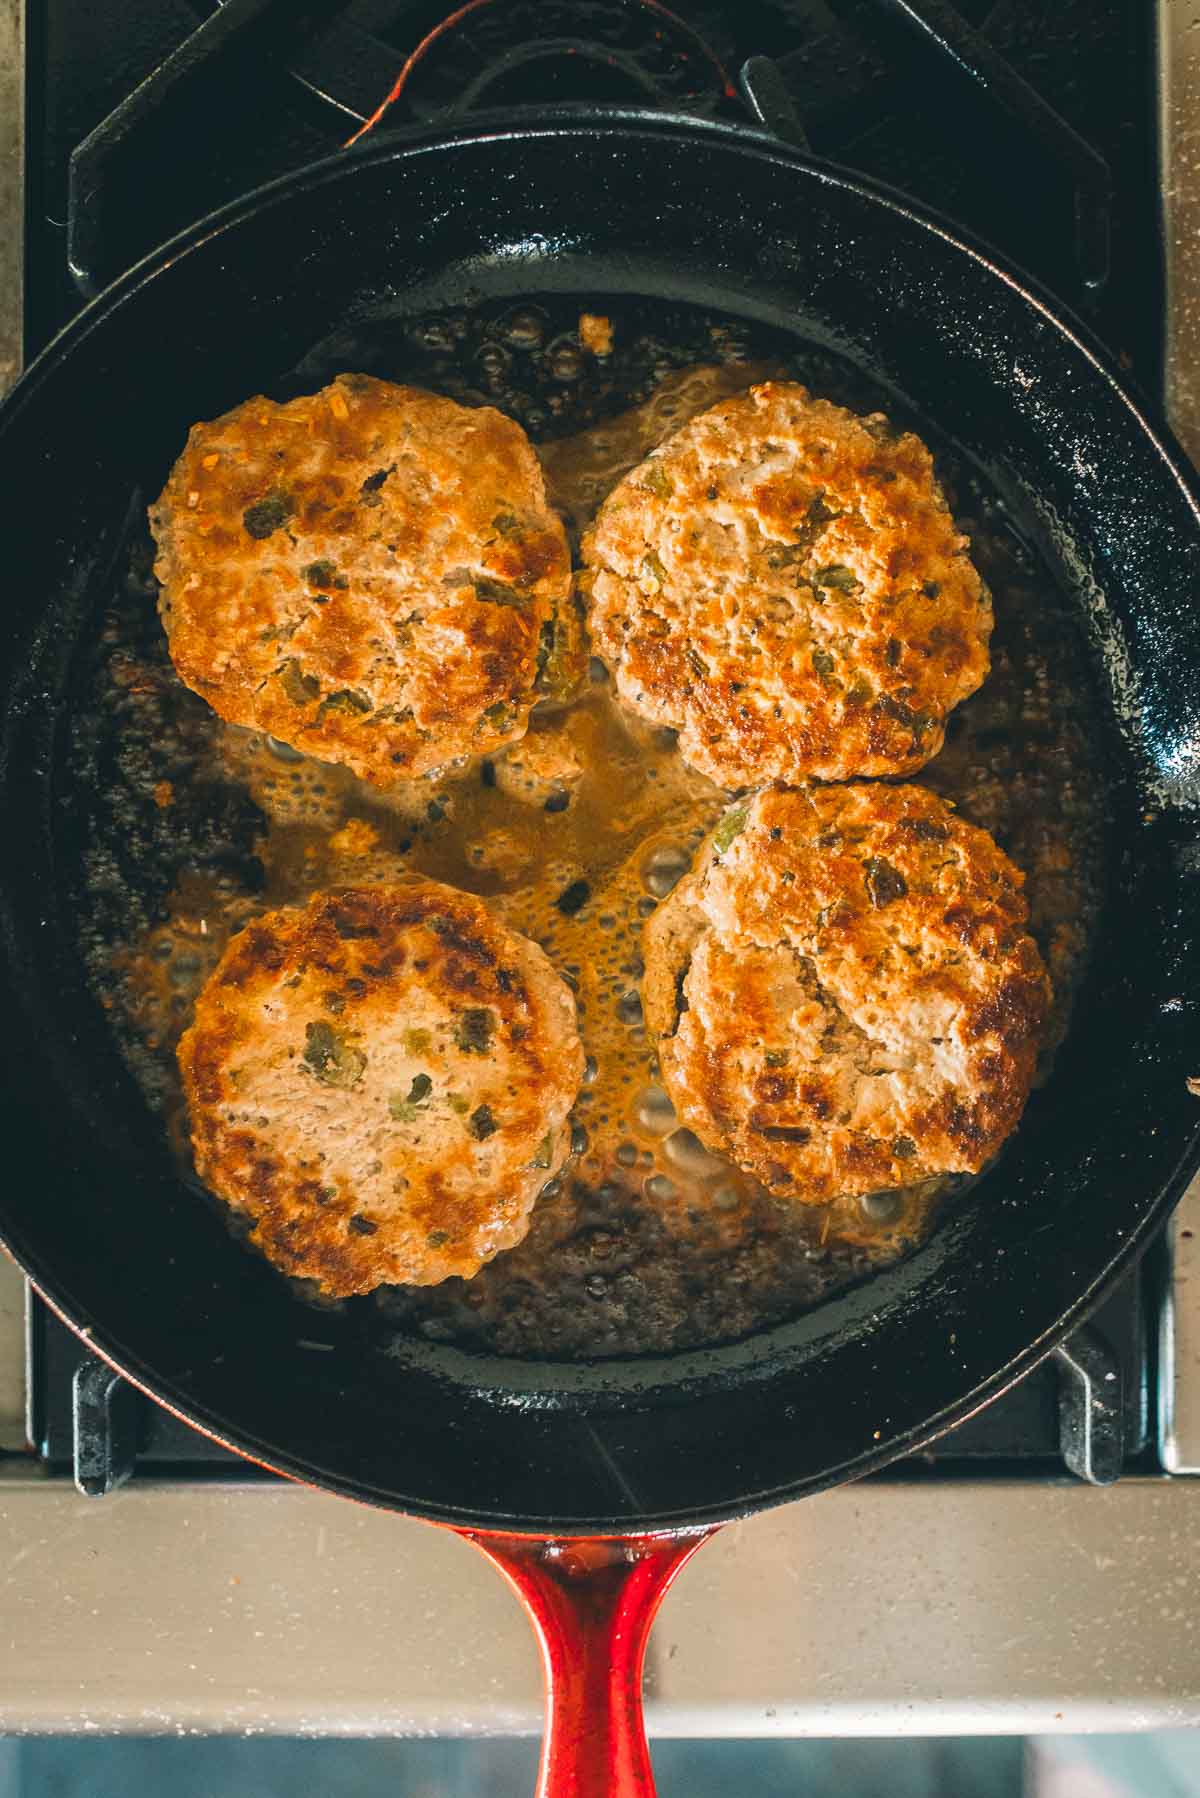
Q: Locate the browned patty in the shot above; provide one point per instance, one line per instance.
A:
(782, 583)
(370, 573)
(844, 993)
(379, 1083)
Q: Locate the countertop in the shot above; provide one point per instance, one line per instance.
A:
(882, 1609)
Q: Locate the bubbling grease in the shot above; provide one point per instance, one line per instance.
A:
(645, 1241)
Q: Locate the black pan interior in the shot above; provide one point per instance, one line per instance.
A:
(643, 1245)
(93, 1205)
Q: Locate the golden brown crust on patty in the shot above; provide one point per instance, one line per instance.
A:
(783, 583)
(365, 573)
(844, 991)
(380, 1082)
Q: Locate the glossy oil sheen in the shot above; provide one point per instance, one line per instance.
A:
(92, 1203)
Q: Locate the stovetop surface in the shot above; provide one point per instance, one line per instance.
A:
(867, 94)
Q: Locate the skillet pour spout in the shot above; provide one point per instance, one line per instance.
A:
(592, 1600)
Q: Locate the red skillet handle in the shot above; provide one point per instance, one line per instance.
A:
(592, 1601)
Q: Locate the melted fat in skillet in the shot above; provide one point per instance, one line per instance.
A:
(646, 1241)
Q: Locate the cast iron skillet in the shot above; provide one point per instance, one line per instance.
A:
(601, 204)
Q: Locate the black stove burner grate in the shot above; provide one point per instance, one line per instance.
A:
(1011, 131)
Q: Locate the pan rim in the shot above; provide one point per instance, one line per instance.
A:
(872, 1461)
(585, 121)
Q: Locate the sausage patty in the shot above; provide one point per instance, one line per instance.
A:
(782, 583)
(370, 573)
(844, 992)
(379, 1082)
